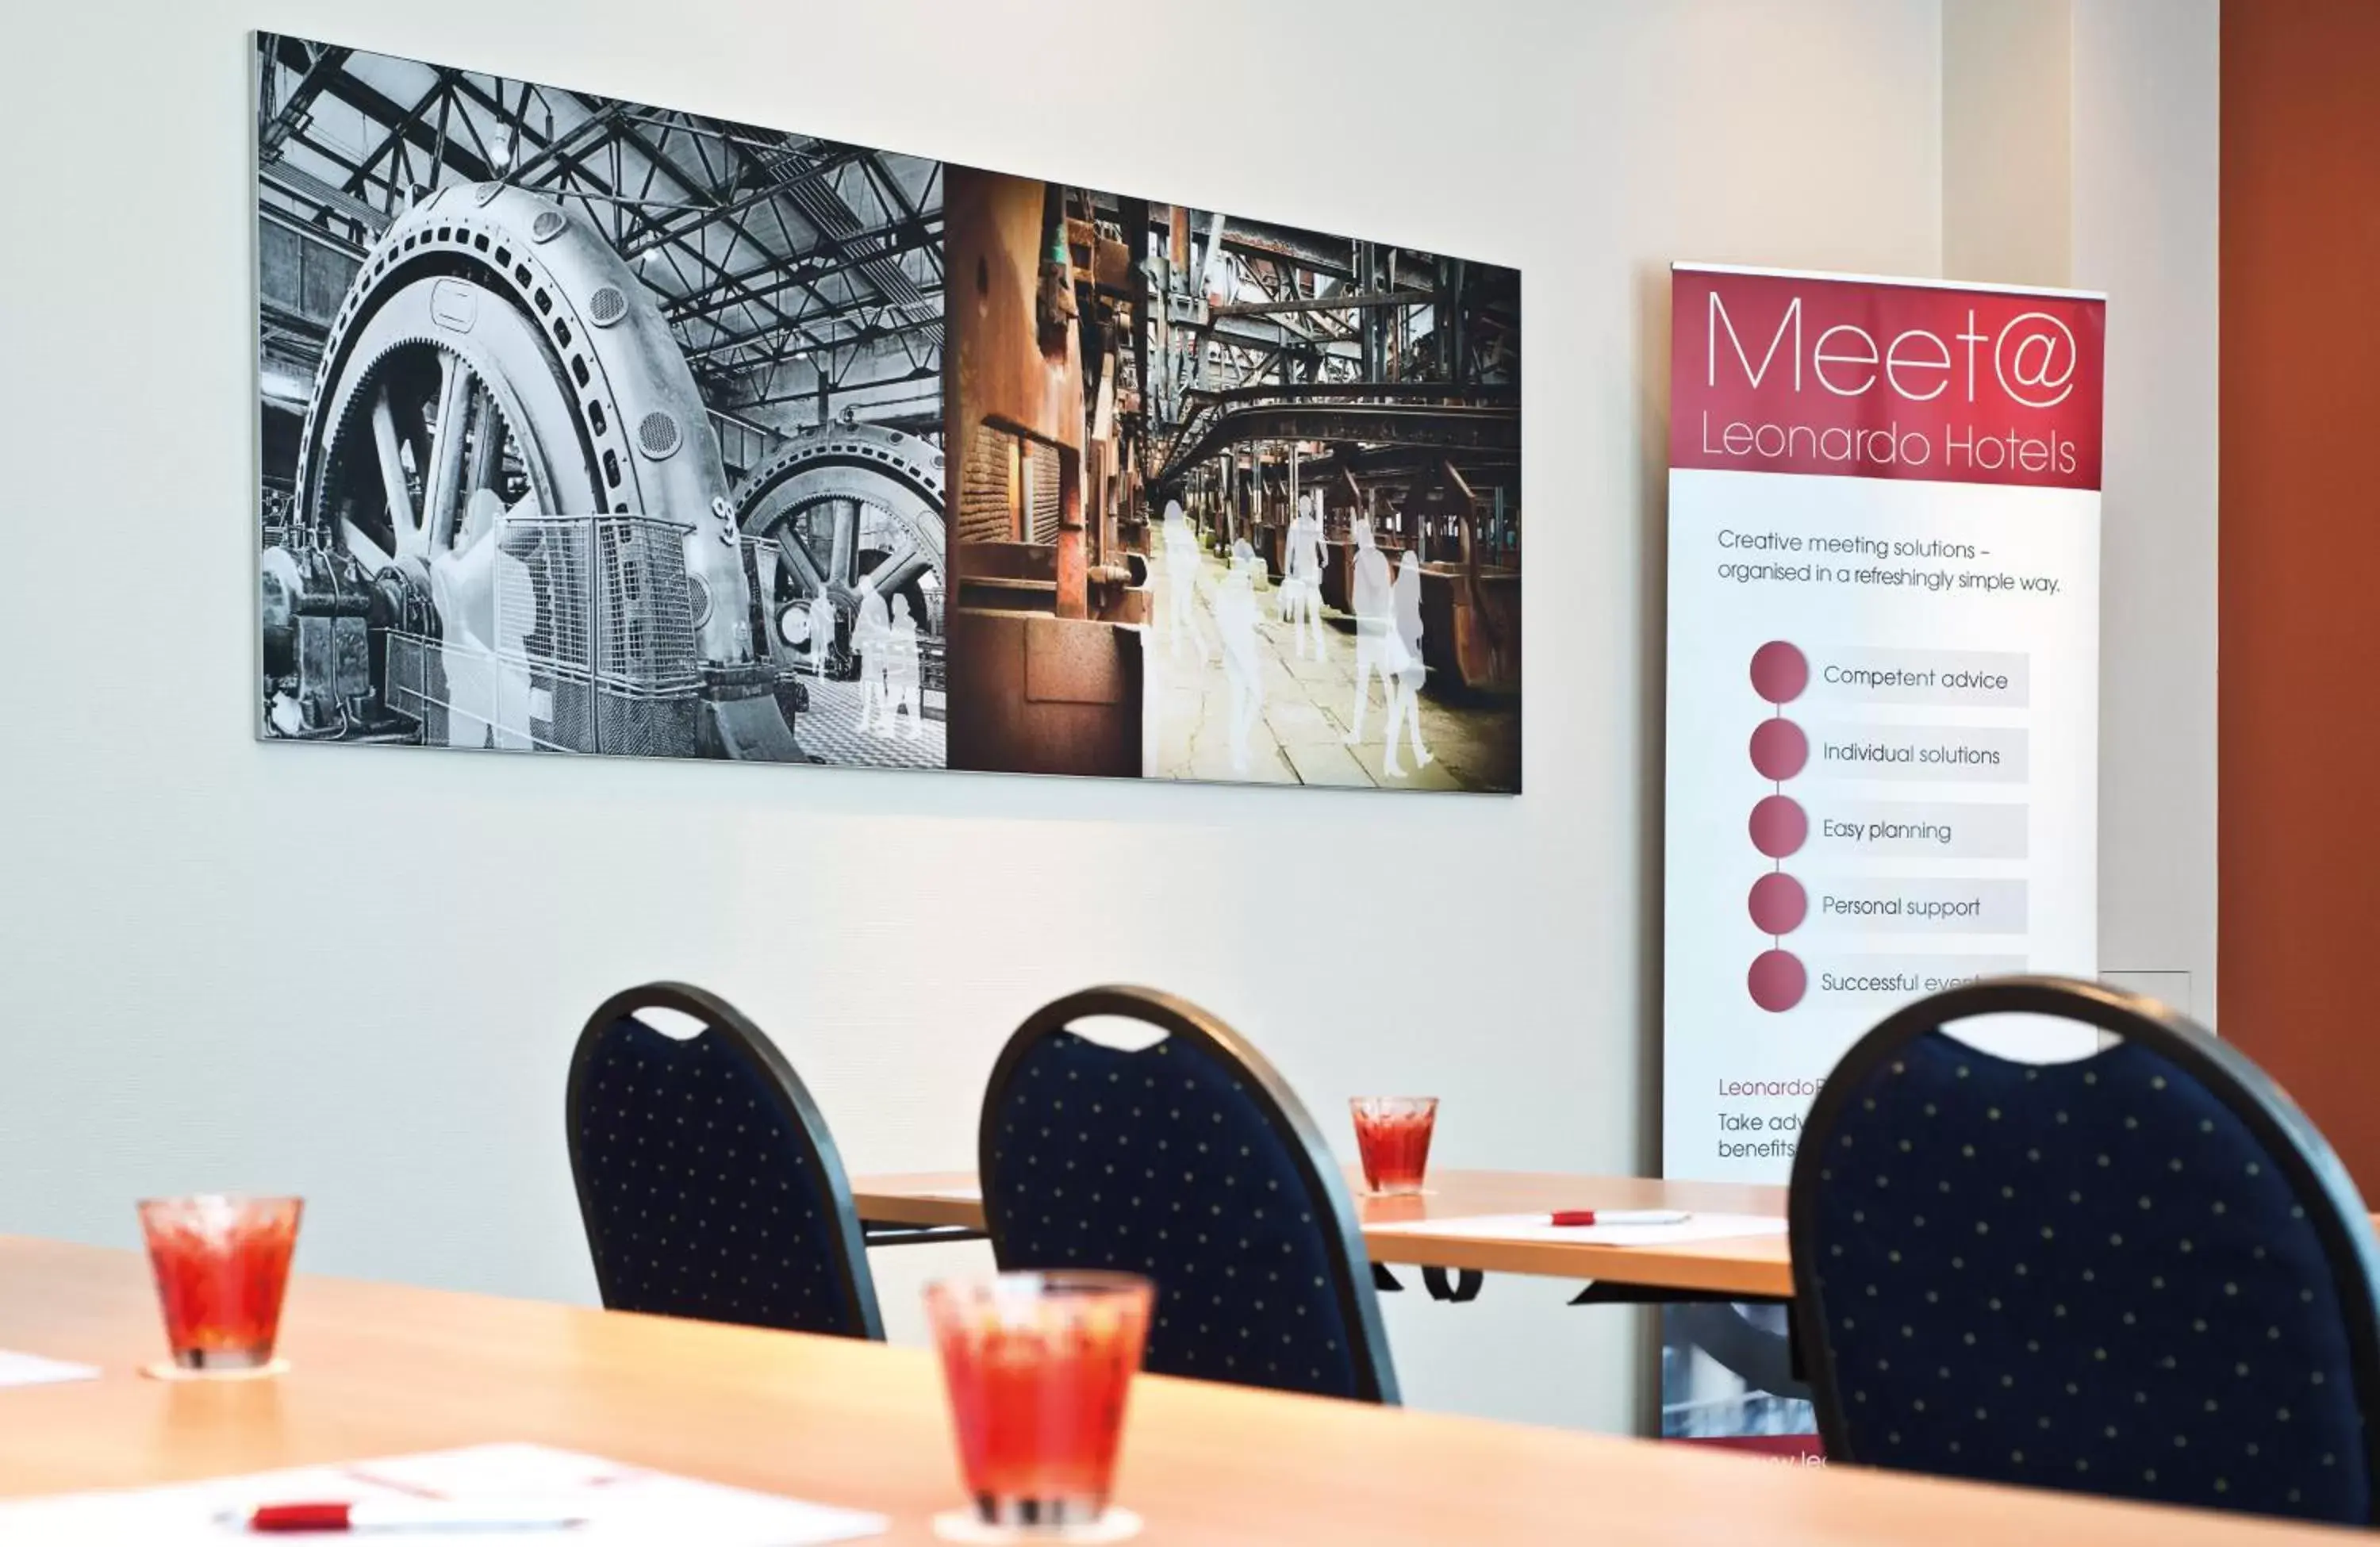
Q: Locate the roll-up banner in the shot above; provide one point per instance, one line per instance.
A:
(1883, 709)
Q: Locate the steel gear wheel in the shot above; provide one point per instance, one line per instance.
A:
(814, 504)
(493, 341)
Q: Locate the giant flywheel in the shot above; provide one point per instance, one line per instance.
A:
(506, 448)
(842, 510)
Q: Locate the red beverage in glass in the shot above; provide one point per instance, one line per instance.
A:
(222, 1265)
(1393, 1136)
(1039, 1366)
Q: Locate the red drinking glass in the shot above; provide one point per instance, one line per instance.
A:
(1392, 1135)
(222, 1265)
(1039, 1366)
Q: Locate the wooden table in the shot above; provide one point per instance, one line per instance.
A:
(1754, 1267)
(381, 1370)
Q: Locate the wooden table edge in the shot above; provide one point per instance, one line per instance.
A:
(915, 1209)
(713, 1382)
(1718, 1267)
(1653, 1267)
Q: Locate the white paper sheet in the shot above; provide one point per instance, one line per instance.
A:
(624, 1506)
(32, 1370)
(1534, 1228)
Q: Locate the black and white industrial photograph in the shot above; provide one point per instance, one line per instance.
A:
(590, 426)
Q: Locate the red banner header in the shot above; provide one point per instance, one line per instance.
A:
(1862, 378)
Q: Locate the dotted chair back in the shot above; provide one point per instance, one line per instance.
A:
(710, 1186)
(2142, 1273)
(1190, 1163)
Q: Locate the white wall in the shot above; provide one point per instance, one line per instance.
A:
(2081, 147)
(357, 974)
(2007, 141)
(2147, 155)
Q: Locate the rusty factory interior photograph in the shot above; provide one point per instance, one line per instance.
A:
(586, 426)
(1234, 500)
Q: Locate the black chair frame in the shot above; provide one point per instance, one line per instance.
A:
(739, 1038)
(1375, 1377)
(2333, 1205)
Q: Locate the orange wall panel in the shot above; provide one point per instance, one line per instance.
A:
(2300, 649)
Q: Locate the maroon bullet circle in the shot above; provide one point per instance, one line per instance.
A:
(1778, 749)
(1778, 826)
(1779, 671)
(1776, 980)
(1779, 904)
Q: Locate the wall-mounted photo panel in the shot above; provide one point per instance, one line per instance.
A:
(594, 427)
(1235, 501)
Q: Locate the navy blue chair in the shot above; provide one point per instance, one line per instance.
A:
(708, 1184)
(2142, 1273)
(1190, 1163)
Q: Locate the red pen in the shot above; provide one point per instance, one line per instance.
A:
(399, 1514)
(1619, 1216)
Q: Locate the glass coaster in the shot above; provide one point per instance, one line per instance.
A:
(167, 1370)
(966, 1526)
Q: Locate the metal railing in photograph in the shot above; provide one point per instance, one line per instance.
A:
(594, 646)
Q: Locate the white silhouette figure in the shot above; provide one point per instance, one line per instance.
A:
(1404, 678)
(1291, 581)
(822, 626)
(1374, 625)
(1181, 580)
(1245, 561)
(903, 689)
(1285, 594)
(1302, 584)
(487, 684)
(871, 639)
(1235, 618)
(516, 618)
